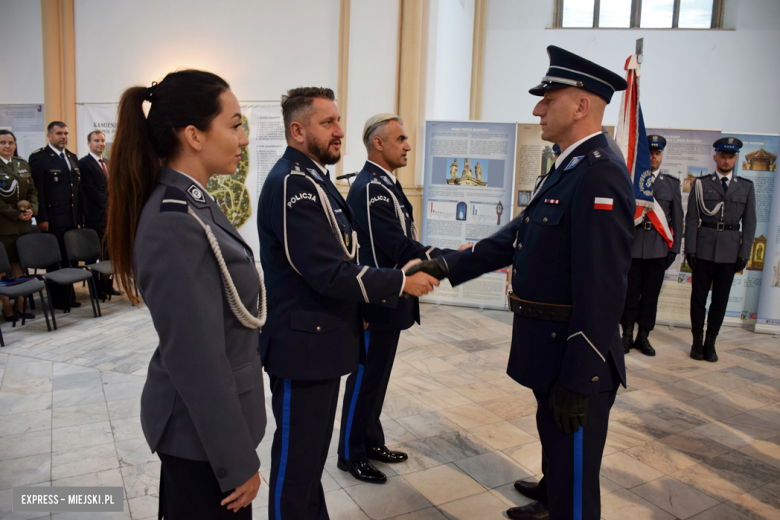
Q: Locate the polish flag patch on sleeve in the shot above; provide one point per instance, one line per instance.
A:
(602, 203)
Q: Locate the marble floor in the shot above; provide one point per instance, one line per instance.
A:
(687, 439)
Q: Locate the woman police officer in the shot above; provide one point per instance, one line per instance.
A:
(18, 204)
(202, 407)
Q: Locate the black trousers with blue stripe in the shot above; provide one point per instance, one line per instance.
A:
(305, 412)
(572, 461)
(364, 395)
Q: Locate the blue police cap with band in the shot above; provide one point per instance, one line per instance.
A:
(727, 145)
(569, 70)
(656, 143)
(556, 148)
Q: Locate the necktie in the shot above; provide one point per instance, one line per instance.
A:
(725, 182)
(103, 165)
(62, 156)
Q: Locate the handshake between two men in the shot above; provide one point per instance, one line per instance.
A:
(423, 275)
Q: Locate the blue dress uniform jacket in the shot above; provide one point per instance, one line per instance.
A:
(648, 243)
(95, 188)
(60, 201)
(722, 247)
(565, 251)
(383, 242)
(315, 328)
(203, 398)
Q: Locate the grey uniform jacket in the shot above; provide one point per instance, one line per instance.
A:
(648, 243)
(723, 247)
(203, 397)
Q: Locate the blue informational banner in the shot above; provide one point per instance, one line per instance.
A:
(468, 174)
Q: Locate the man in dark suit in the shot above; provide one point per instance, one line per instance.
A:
(714, 247)
(314, 333)
(652, 253)
(570, 252)
(94, 182)
(388, 238)
(57, 178)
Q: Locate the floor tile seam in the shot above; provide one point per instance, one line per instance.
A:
(113, 440)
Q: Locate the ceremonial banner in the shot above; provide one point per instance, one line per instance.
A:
(236, 194)
(469, 167)
(27, 124)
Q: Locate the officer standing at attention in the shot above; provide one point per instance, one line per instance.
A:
(714, 246)
(570, 251)
(56, 174)
(651, 255)
(388, 238)
(315, 287)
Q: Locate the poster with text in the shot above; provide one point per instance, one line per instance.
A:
(757, 162)
(688, 155)
(766, 248)
(469, 168)
(27, 124)
(97, 116)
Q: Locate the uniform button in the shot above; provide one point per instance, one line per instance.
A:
(527, 220)
(221, 473)
(595, 379)
(319, 329)
(384, 301)
(519, 246)
(514, 272)
(544, 219)
(553, 335)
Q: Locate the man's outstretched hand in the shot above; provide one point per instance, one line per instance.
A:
(418, 283)
(436, 268)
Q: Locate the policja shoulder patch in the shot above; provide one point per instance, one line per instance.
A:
(197, 194)
(574, 162)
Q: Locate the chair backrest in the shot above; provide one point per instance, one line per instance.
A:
(5, 265)
(82, 245)
(35, 229)
(38, 250)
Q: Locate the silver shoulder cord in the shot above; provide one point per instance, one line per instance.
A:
(398, 213)
(329, 214)
(700, 201)
(234, 300)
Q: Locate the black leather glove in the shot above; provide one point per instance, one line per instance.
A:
(436, 268)
(570, 408)
(691, 257)
(741, 264)
(670, 260)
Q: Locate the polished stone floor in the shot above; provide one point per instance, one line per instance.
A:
(687, 439)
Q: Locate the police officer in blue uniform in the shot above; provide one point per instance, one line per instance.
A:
(714, 247)
(651, 255)
(570, 252)
(388, 238)
(56, 174)
(314, 333)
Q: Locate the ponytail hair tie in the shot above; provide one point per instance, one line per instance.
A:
(150, 91)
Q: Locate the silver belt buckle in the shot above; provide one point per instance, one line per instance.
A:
(721, 226)
(648, 225)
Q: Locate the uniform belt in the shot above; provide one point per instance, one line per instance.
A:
(720, 226)
(540, 311)
(648, 225)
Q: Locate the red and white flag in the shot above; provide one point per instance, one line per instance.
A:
(631, 137)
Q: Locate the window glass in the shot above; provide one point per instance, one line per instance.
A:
(657, 14)
(615, 13)
(695, 14)
(578, 13)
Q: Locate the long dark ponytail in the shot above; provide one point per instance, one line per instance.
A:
(142, 144)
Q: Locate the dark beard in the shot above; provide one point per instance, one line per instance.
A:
(323, 154)
(726, 172)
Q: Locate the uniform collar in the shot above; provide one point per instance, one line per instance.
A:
(573, 147)
(729, 177)
(97, 159)
(303, 161)
(6, 162)
(389, 174)
(57, 151)
(655, 173)
(202, 189)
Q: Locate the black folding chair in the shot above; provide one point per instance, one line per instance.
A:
(39, 250)
(20, 290)
(83, 245)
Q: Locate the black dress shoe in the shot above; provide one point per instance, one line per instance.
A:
(531, 490)
(75, 305)
(114, 292)
(362, 470)
(382, 454)
(12, 317)
(533, 511)
(27, 316)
